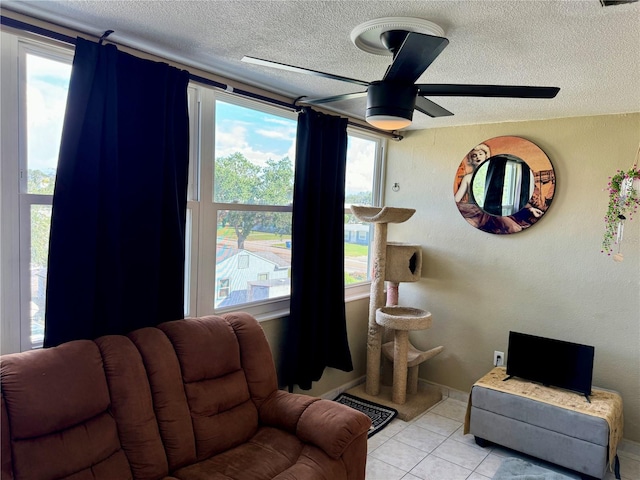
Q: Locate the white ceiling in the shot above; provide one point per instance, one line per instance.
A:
(591, 52)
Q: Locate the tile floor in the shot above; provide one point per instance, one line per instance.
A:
(432, 447)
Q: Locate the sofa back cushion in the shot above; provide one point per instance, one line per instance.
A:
(170, 402)
(255, 356)
(132, 407)
(57, 408)
(222, 411)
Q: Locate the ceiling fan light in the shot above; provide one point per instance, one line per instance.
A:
(388, 122)
(389, 105)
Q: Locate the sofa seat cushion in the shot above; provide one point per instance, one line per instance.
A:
(271, 453)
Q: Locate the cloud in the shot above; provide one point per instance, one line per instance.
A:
(230, 139)
(276, 134)
(360, 165)
(255, 139)
(280, 121)
(47, 85)
(278, 128)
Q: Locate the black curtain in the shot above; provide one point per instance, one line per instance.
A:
(494, 183)
(316, 331)
(116, 251)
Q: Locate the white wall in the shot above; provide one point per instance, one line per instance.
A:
(550, 280)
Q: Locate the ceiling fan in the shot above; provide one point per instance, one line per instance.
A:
(392, 100)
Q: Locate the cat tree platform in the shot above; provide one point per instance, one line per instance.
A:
(382, 215)
(401, 320)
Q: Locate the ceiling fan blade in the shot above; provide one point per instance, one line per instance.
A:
(291, 68)
(430, 108)
(511, 91)
(417, 52)
(335, 98)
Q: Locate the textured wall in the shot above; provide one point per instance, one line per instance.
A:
(550, 280)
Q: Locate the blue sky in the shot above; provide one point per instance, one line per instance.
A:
(258, 135)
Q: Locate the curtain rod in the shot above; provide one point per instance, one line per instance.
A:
(20, 25)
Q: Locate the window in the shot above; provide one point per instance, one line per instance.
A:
(243, 261)
(223, 288)
(242, 158)
(253, 175)
(36, 78)
(360, 189)
(253, 171)
(45, 93)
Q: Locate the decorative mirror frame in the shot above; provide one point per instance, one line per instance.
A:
(529, 164)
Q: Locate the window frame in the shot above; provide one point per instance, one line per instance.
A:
(263, 309)
(276, 307)
(15, 200)
(28, 200)
(360, 290)
(9, 196)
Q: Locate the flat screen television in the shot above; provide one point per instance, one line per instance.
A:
(551, 362)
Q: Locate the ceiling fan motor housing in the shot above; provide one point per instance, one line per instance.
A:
(385, 98)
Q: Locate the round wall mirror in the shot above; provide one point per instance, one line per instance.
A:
(504, 185)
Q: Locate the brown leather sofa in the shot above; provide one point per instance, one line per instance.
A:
(191, 399)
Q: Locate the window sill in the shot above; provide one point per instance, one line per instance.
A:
(352, 294)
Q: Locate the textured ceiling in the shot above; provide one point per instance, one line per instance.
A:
(591, 52)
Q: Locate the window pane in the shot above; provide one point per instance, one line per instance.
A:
(40, 223)
(356, 252)
(255, 154)
(361, 160)
(47, 86)
(253, 257)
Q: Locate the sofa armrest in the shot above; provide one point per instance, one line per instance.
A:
(328, 425)
(332, 426)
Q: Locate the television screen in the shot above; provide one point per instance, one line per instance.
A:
(551, 362)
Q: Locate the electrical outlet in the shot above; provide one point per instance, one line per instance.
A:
(498, 358)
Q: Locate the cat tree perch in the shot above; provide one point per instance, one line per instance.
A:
(405, 264)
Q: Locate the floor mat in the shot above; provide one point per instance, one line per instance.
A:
(379, 414)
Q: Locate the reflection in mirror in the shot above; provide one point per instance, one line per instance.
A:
(503, 185)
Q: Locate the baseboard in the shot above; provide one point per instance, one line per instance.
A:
(629, 449)
(447, 392)
(331, 394)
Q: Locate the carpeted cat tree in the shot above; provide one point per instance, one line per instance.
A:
(394, 263)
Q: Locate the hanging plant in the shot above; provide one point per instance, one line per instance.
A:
(624, 199)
